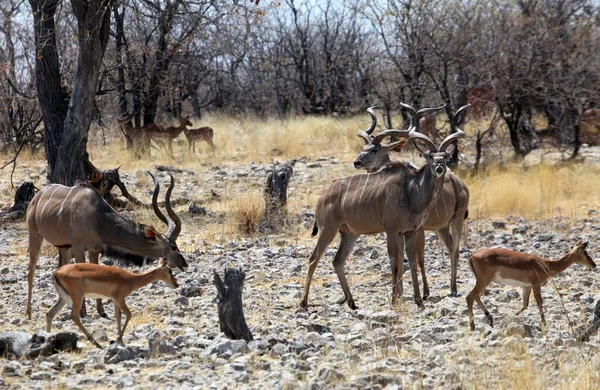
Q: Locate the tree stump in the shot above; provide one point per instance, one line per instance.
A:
(275, 194)
(229, 303)
(23, 196)
(593, 328)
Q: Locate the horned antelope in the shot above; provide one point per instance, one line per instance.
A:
(519, 269)
(73, 282)
(169, 133)
(395, 200)
(449, 210)
(200, 134)
(76, 219)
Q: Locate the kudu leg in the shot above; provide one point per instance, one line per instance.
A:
(339, 261)
(395, 249)
(410, 240)
(64, 256)
(420, 243)
(326, 235)
(35, 244)
(94, 259)
(449, 243)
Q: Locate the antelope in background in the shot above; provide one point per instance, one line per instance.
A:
(168, 133)
(200, 134)
(73, 282)
(448, 214)
(519, 269)
(395, 200)
(76, 219)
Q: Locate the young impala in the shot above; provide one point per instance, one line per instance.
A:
(73, 282)
(519, 269)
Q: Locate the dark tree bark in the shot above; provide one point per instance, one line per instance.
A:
(229, 303)
(53, 103)
(67, 124)
(593, 328)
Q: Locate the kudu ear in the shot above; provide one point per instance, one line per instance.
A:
(149, 232)
(450, 149)
(398, 146)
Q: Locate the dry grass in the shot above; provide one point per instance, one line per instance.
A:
(245, 213)
(540, 192)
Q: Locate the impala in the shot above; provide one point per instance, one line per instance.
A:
(519, 269)
(200, 134)
(169, 133)
(73, 282)
(448, 214)
(76, 219)
(395, 200)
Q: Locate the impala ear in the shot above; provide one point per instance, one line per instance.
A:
(578, 243)
(149, 232)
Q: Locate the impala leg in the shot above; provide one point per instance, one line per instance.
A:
(420, 243)
(75, 316)
(52, 312)
(395, 248)
(79, 254)
(123, 307)
(411, 250)
(94, 259)
(347, 242)
(526, 295)
(35, 243)
(212, 146)
(117, 317)
(537, 293)
(473, 296)
(326, 235)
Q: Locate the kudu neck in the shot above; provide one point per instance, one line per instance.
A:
(141, 280)
(423, 188)
(124, 234)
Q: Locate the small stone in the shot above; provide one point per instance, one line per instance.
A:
(194, 209)
(328, 375)
(4, 271)
(182, 301)
(498, 225)
(314, 165)
(190, 290)
(12, 369)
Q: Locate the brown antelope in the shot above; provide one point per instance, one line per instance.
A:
(519, 269)
(139, 137)
(200, 134)
(76, 219)
(395, 200)
(447, 215)
(73, 282)
(168, 134)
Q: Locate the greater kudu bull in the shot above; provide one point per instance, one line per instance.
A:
(76, 219)
(395, 200)
(448, 213)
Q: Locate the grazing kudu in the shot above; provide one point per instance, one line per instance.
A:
(519, 269)
(73, 282)
(395, 200)
(200, 134)
(447, 215)
(76, 219)
(169, 133)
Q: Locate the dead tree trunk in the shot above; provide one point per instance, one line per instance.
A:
(229, 303)
(593, 328)
(275, 193)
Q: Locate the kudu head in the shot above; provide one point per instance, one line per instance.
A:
(437, 158)
(170, 251)
(579, 255)
(375, 154)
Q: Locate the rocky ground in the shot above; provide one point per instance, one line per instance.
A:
(173, 340)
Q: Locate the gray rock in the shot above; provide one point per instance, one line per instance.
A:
(328, 375)
(12, 369)
(192, 289)
(117, 354)
(224, 347)
(183, 301)
(498, 225)
(314, 165)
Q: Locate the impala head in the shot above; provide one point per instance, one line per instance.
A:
(166, 274)
(185, 121)
(167, 241)
(581, 256)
